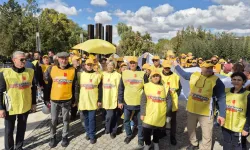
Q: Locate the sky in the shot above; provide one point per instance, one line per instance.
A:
(160, 18)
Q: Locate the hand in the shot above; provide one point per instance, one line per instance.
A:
(99, 104)
(146, 55)
(2, 113)
(244, 133)
(33, 108)
(221, 120)
(120, 106)
(142, 117)
(175, 63)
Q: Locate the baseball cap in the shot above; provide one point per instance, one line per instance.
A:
(62, 54)
(166, 64)
(89, 61)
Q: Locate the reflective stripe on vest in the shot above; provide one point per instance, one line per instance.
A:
(236, 111)
(201, 92)
(18, 87)
(62, 83)
(89, 90)
(133, 82)
(110, 84)
(156, 107)
(172, 81)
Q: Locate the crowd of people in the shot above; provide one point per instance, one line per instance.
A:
(145, 98)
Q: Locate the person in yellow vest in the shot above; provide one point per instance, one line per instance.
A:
(204, 86)
(189, 61)
(111, 80)
(119, 62)
(236, 127)
(89, 98)
(123, 67)
(17, 98)
(60, 94)
(183, 60)
(171, 82)
(147, 69)
(157, 64)
(194, 63)
(45, 65)
(217, 65)
(154, 108)
(38, 70)
(130, 91)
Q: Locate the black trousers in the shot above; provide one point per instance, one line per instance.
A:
(73, 111)
(111, 120)
(173, 124)
(147, 132)
(233, 140)
(9, 123)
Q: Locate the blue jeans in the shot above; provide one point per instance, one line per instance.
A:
(90, 122)
(127, 116)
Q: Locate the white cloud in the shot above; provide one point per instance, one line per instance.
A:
(61, 7)
(227, 2)
(89, 18)
(98, 2)
(164, 9)
(103, 17)
(163, 22)
(84, 26)
(89, 10)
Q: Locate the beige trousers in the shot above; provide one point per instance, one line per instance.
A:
(206, 124)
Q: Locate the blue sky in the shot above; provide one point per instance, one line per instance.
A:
(161, 18)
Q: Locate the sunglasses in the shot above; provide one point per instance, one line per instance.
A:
(22, 60)
(167, 68)
(214, 60)
(132, 62)
(155, 60)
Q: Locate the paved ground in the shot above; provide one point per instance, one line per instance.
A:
(39, 138)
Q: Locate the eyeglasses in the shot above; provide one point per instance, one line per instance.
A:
(155, 60)
(214, 60)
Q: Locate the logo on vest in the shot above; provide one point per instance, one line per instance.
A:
(89, 86)
(133, 81)
(23, 78)
(108, 86)
(234, 109)
(135, 75)
(199, 97)
(21, 86)
(62, 80)
(156, 99)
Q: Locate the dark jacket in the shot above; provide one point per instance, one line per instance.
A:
(218, 91)
(3, 87)
(39, 75)
(47, 89)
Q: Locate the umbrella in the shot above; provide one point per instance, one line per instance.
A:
(96, 46)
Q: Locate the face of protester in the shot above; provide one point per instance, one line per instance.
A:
(104, 64)
(19, 61)
(183, 57)
(76, 63)
(63, 61)
(200, 61)
(36, 56)
(51, 54)
(110, 67)
(156, 78)
(119, 63)
(194, 64)
(207, 71)
(166, 70)
(237, 82)
(89, 67)
(133, 65)
(46, 60)
(214, 60)
(124, 68)
(156, 62)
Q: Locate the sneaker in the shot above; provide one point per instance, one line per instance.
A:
(156, 146)
(192, 147)
(92, 141)
(127, 140)
(52, 142)
(173, 140)
(112, 135)
(65, 142)
(87, 138)
(140, 144)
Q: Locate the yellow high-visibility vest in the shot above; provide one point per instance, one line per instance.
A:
(159, 69)
(62, 83)
(133, 82)
(89, 90)
(34, 62)
(201, 92)
(236, 111)
(156, 107)
(172, 81)
(110, 83)
(217, 68)
(18, 87)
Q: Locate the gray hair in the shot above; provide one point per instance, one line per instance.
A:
(14, 55)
